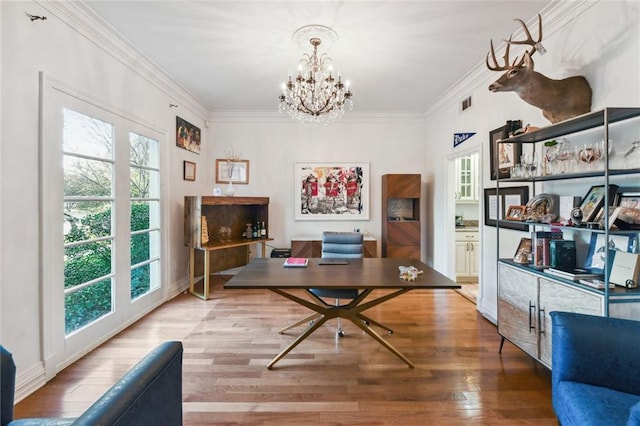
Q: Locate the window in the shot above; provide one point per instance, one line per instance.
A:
(87, 152)
(145, 214)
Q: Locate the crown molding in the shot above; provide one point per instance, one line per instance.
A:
(80, 18)
(283, 118)
(555, 15)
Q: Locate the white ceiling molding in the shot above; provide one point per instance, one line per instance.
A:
(82, 19)
(276, 117)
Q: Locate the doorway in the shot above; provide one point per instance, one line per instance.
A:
(466, 208)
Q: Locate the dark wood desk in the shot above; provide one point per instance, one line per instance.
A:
(365, 274)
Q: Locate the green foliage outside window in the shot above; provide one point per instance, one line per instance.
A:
(91, 260)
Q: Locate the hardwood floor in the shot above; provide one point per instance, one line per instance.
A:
(459, 379)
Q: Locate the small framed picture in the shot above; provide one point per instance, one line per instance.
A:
(503, 155)
(594, 200)
(189, 170)
(523, 252)
(236, 171)
(630, 200)
(515, 212)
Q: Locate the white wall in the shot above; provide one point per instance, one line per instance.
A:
(388, 144)
(72, 52)
(598, 40)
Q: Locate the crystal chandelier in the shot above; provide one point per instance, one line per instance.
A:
(314, 95)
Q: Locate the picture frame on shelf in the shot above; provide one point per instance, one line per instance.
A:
(596, 255)
(523, 252)
(495, 202)
(629, 199)
(232, 171)
(503, 155)
(189, 170)
(515, 213)
(593, 201)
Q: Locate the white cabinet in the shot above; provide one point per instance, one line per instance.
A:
(466, 256)
(466, 179)
(524, 303)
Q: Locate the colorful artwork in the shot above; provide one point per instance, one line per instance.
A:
(332, 191)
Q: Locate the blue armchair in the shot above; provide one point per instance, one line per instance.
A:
(150, 393)
(595, 370)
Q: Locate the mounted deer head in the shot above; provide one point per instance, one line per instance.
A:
(558, 99)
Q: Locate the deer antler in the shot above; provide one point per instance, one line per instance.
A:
(505, 58)
(529, 42)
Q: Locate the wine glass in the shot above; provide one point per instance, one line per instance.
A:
(564, 155)
(588, 154)
(529, 162)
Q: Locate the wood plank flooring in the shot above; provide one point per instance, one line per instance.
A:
(459, 379)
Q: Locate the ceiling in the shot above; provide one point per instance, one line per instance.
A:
(399, 56)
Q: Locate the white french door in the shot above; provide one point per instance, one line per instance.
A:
(101, 222)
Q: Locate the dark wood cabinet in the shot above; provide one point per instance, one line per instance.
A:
(401, 234)
(214, 226)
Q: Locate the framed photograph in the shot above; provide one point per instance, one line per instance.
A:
(630, 200)
(189, 170)
(503, 155)
(515, 212)
(236, 171)
(523, 252)
(331, 191)
(594, 200)
(187, 135)
(495, 202)
(596, 255)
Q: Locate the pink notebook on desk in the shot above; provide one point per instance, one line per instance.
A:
(296, 262)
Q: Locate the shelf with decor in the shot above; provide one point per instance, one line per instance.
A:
(219, 232)
(596, 156)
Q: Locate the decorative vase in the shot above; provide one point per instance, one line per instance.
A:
(230, 190)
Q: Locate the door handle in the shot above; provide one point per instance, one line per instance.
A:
(540, 319)
(532, 307)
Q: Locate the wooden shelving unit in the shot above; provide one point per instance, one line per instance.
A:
(401, 215)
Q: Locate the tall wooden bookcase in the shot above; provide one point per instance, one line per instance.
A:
(401, 236)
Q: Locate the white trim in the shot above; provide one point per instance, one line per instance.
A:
(82, 19)
(283, 118)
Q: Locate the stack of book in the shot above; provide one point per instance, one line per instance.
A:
(540, 246)
(573, 274)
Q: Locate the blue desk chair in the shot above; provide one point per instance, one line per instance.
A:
(338, 245)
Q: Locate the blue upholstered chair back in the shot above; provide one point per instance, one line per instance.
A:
(342, 245)
(7, 385)
(345, 245)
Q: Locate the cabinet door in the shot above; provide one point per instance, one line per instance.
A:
(556, 296)
(462, 259)
(517, 307)
(474, 258)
